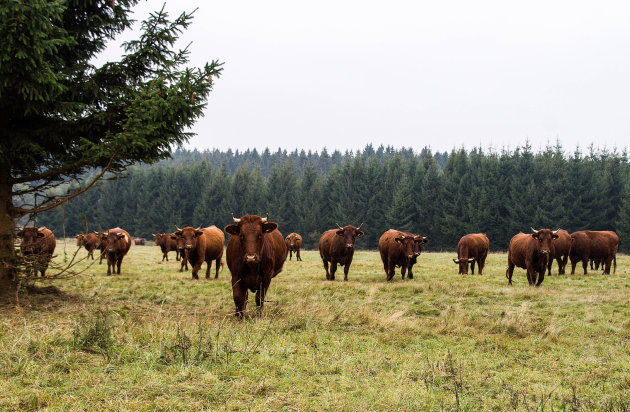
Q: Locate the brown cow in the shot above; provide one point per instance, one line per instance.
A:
(202, 245)
(294, 244)
(102, 246)
(337, 247)
(597, 245)
(530, 252)
(37, 247)
(397, 249)
(139, 241)
(181, 249)
(560, 249)
(255, 254)
(472, 248)
(166, 244)
(418, 241)
(90, 241)
(117, 246)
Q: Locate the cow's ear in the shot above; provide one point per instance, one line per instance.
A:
(40, 234)
(554, 236)
(20, 233)
(198, 233)
(173, 237)
(399, 239)
(425, 240)
(120, 235)
(339, 232)
(360, 233)
(535, 235)
(269, 227)
(232, 229)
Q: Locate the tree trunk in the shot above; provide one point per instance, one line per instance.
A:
(8, 258)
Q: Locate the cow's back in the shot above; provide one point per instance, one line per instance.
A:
(517, 252)
(214, 239)
(562, 245)
(49, 243)
(326, 244)
(603, 243)
(387, 245)
(580, 245)
(123, 244)
(473, 245)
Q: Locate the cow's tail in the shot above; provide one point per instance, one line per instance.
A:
(221, 265)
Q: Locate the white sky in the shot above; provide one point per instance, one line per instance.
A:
(444, 74)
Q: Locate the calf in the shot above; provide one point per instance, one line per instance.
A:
(37, 247)
(531, 252)
(255, 254)
(337, 247)
(472, 248)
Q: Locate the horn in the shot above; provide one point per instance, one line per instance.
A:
(40, 229)
(235, 219)
(555, 232)
(360, 225)
(178, 229)
(265, 219)
(533, 230)
(339, 226)
(402, 236)
(198, 228)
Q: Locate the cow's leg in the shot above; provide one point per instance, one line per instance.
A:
(531, 276)
(195, 269)
(549, 265)
(472, 267)
(239, 293)
(409, 272)
(109, 266)
(216, 274)
(262, 291)
(541, 276)
(326, 267)
(585, 265)
(297, 255)
(177, 255)
(481, 263)
(346, 269)
(403, 271)
(606, 265)
(118, 263)
(290, 253)
(333, 269)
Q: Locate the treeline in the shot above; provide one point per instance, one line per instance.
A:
(499, 193)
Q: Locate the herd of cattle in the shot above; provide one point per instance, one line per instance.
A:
(256, 251)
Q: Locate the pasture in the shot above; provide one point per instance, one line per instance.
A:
(153, 339)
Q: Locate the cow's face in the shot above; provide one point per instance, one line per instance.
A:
(158, 239)
(251, 230)
(80, 239)
(418, 241)
(179, 242)
(543, 238)
(31, 238)
(407, 244)
(111, 239)
(292, 241)
(463, 264)
(349, 234)
(189, 237)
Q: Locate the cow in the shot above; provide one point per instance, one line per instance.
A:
(117, 245)
(255, 254)
(294, 244)
(90, 241)
(597, 245)
(139, 241)
(337, 247)
(418, 241)
(202, 245)
(531, 252)
(472, 248)
(37, 247)
(166, 244)
(396, 249)
(560, 249)
(102, 245)
(181, 249)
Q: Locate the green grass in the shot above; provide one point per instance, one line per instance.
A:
(439, 341)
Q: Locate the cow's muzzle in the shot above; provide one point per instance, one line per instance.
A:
(349, 246)
(411, 256)
(251, 259)
(188, 247)
(545, 251)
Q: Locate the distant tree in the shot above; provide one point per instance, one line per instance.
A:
(62, 116)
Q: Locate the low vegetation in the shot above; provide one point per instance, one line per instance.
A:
(152, 338)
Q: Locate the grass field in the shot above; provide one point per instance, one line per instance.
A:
(152, 339)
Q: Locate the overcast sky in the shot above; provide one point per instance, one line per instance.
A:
(341, 74)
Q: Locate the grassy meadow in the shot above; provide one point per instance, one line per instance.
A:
(153, 339)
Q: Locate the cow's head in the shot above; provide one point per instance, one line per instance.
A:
(111, 238)
(158, 239)
(349, 234)
(463, 264)
(544, 237)
(189, 236)
(292, 240)
(418, 241)
(31, 237)
(251, 230)
(407, 244)
(80, 239)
